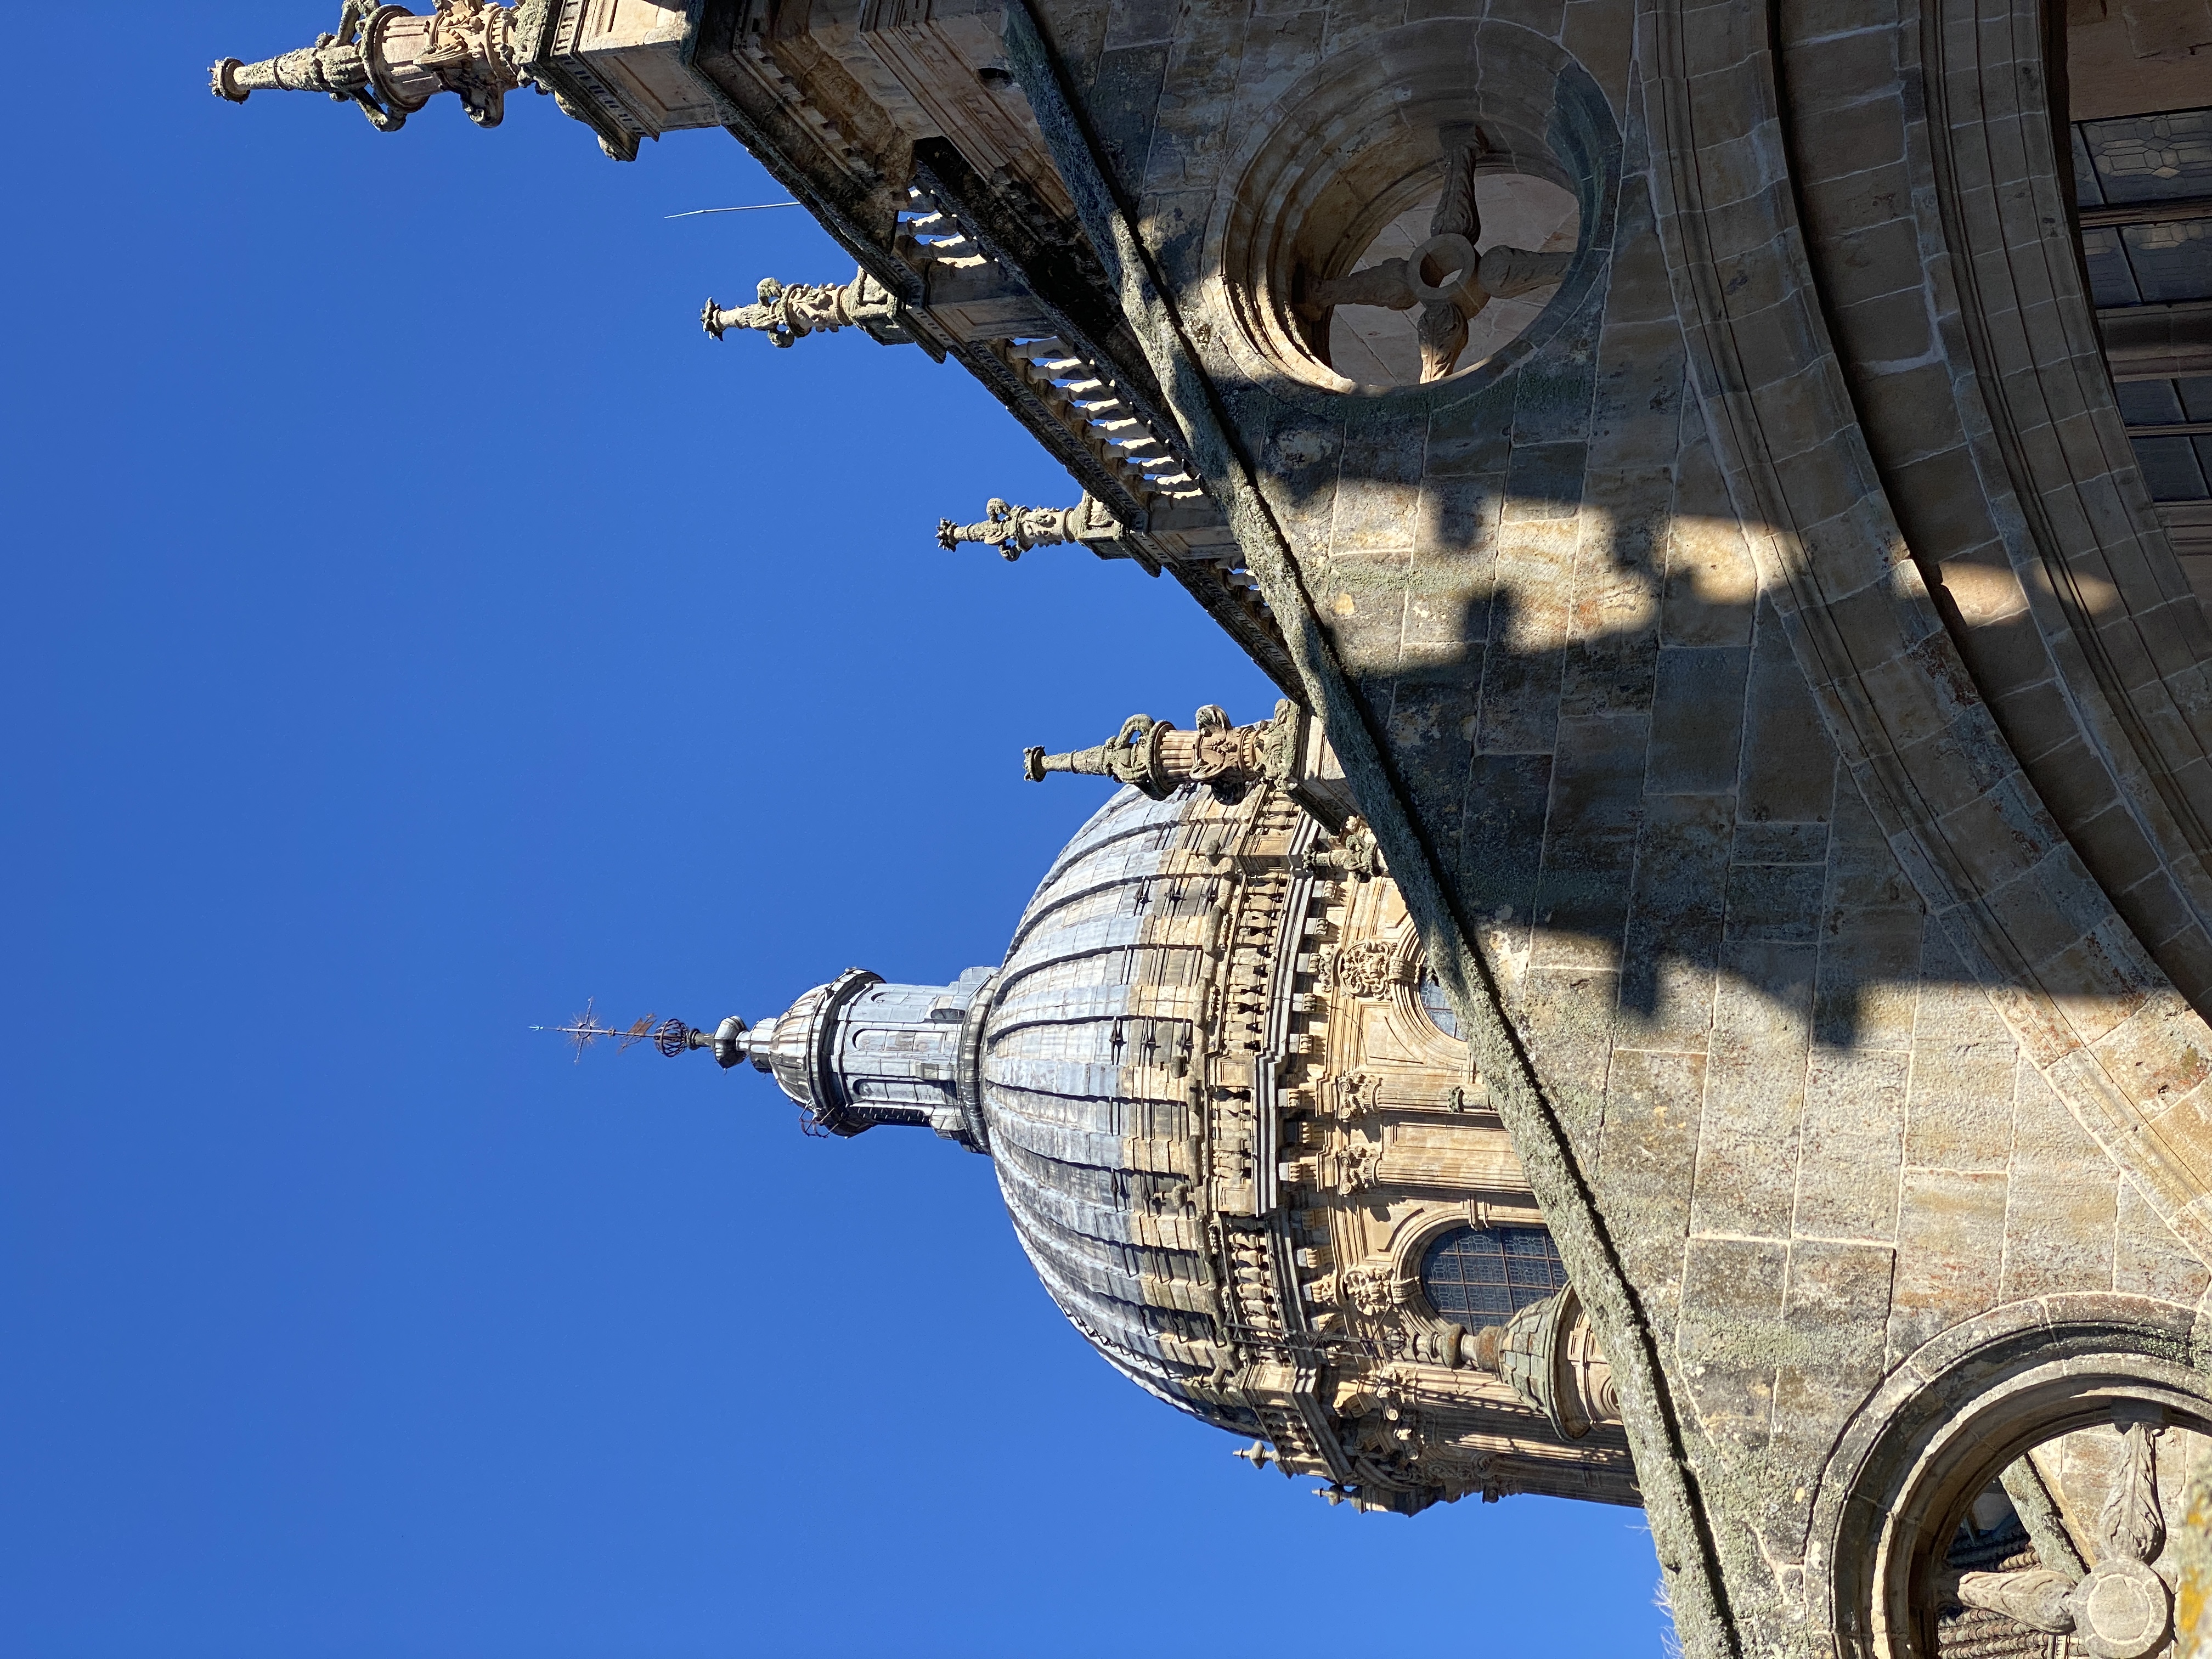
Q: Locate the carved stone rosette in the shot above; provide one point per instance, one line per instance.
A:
(2120, 1608)
(1445, 277)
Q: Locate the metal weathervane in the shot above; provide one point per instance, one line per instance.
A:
(671, 1037)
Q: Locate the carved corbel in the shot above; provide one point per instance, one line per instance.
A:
(1354, 1169)
(789, 314)
(1015, 530)
(1356, 1095)
(1355, 853)
(391, 62)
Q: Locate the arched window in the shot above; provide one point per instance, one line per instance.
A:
(1477, 1276)
(1437, 1005)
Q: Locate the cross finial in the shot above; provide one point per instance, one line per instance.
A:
(671, 1037)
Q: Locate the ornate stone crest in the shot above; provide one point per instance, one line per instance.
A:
(1366, 968)
(1368, 1288)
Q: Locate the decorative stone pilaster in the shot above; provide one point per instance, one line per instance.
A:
(1015, 530)
(786, 314)
(391, 62)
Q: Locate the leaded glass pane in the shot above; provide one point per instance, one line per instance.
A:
(2111, 281)
(2171, 262)
(1476, 1277)
(2142, 158)
(1437, 1005)
(2148, 403)
(2170, 468)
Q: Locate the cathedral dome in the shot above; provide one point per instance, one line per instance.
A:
(1243, 1149)
(1092, 1060)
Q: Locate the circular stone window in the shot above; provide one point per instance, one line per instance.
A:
(2067, 1540)
(1421, 303)
(1431, 210)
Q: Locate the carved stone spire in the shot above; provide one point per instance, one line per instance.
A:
(786, 314)
(1288, 752)
(1157, 758)
(391, 62)
(1015, 530)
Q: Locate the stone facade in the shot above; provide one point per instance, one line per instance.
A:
(1751, 600)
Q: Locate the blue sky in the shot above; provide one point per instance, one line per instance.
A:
(415, 627)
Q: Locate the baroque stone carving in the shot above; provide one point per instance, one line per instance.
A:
(1015, 530)
(790, 313)
(391, 62)
(1357, 1094)
(1356, 1169)
(1355, 853)
(1445, 277)
(1367, 967)
(2034, 1596)
(1370, 1289)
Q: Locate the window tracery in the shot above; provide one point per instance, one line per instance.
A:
(1481, 1276)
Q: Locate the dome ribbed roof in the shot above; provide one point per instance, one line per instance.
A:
(1089, 1057)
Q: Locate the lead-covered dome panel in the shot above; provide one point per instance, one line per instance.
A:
(1092, 1062)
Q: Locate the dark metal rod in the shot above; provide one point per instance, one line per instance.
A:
(2148, 213)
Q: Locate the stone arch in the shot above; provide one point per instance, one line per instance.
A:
(1953, 1416)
